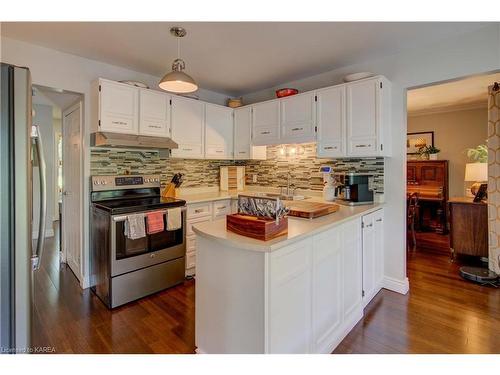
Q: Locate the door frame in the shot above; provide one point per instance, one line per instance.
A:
(78, 106)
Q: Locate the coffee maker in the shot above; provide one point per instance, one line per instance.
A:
(354, 188)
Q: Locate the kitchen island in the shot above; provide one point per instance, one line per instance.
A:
(299, 293)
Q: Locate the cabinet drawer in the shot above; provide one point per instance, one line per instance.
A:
(190, 223)
(190, 243)
(199, 210)
(222, 208)
(367, 146)
(216, 152)
(334, 148)
(188, 151)
(191, 259)
(264, 135)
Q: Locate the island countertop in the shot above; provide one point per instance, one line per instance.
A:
(298, 228)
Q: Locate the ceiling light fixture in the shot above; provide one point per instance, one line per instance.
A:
(177, 81)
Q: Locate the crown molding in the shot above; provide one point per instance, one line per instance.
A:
(448, 108)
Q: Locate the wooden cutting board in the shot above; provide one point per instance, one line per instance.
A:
(311, 210)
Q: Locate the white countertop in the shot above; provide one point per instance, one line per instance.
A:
(209, 196)
(298, 228)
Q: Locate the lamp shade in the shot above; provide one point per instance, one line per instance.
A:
(476, 172)
(178, 82)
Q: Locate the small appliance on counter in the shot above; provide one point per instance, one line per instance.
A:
(330, 188)
(354, 188)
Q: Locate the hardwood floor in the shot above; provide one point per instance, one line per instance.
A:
(441, 314)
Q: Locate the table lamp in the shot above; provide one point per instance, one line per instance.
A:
(476, 173)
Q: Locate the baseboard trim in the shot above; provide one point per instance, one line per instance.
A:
(48, 233)
(396, 285)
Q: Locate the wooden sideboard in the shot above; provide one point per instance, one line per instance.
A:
(468, 227)
(429, 178)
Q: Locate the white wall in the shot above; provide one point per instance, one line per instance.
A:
(454, 132)
(463, 55)
(55, 69)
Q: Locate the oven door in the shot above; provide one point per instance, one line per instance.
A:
(129, 255)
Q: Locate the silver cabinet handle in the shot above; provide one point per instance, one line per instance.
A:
(242, 152)
(221, 208)
(296, 129)
(330, 148)
(187, 149)
(219, 151)
(378, 220)
(265, 132)
(369, 225)
(368, 145)
(42, 222)
(199, 210)
(118, 122)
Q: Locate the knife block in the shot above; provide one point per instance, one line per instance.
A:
(169, 191)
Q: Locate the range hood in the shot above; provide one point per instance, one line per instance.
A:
(108, 139)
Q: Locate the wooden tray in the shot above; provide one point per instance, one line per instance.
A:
(256, 227)
(311, 210)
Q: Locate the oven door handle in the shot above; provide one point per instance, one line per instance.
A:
(117, 219)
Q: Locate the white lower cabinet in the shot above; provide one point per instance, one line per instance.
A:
(373, 254)
(314, 291)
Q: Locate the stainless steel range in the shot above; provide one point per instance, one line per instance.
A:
(124, 269)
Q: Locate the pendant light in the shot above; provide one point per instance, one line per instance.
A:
(177, 81)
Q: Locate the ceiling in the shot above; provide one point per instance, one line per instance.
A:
(465, 93)
(235, 58)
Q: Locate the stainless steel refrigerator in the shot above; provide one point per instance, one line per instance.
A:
(20, 150)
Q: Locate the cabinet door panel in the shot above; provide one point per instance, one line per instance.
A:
(219, 132)
(298, 117)
(188, 128)
(368, 258)
(290, 299)
(119, 108)
(242, 133)
(154, 113)
(362, 108)
(327, 289)
(265, 123)
(352, 269)
(331, 122)
(379, 248)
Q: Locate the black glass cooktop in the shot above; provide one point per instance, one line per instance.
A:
(126, 206)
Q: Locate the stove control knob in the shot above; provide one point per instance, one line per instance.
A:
(146, 180)
(104, 182)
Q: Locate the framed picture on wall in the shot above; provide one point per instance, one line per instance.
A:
(414, 141)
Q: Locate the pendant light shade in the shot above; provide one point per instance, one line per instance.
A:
(177, 81)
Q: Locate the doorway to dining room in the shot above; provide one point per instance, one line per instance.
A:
(447, 168)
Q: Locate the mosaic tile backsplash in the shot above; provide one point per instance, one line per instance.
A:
(198, 173)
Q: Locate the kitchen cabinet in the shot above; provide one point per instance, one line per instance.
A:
(266, 123)
(218, 132)
(116, 107)
(154, 113)
(221, 209)
(298, 118)
(373, 255)
(243, 148)
(331, 120)
(188, 128)
(368, 107)
(351, 269)
(195, 214)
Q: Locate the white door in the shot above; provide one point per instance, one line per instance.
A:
(154, 113)
(118, 107)
(352, 267)
(379, 249)
(188, 128)
(327, 289)
(242, 132)
(331, 121)
(298, 118)
(72, 193)
(266, 123)
(218, 132)
(368, 258)
(363, 117)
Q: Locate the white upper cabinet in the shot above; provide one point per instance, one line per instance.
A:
(154, 113)
(298, 118)
(188, 128)
(331, 121)
(367, 114)
(118, 107)
(242, 133)
(266, 123)
(218, 132)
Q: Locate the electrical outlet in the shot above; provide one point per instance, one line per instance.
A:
(254, 178)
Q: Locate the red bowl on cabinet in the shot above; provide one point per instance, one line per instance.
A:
(281, 93)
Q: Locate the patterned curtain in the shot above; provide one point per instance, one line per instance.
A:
(494, 176)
